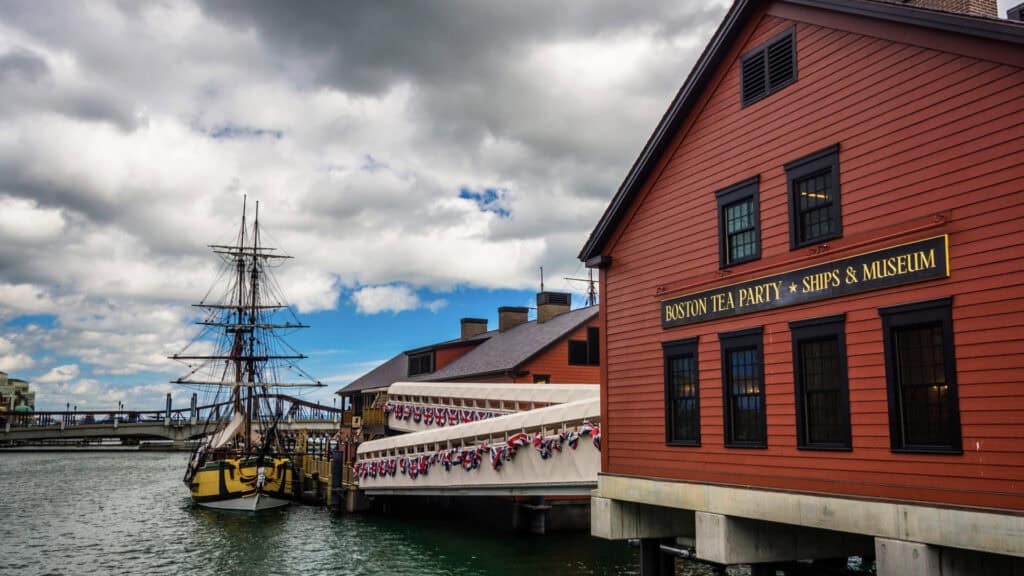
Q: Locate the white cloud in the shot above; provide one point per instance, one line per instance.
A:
(113, 178)
(59, 375)
(394, 298)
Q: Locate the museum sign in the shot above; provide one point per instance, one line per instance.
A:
(914, 262)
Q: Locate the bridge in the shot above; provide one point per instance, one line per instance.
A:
(179, 425)
(510, 440)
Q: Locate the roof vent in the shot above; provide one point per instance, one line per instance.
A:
(471, 327)
(768, 68)
(551, 304)
(511, 316)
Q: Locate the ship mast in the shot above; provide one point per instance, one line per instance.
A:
(241, 312)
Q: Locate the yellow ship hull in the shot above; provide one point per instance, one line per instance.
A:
(243, 484)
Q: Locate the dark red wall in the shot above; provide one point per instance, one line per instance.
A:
(931, 142)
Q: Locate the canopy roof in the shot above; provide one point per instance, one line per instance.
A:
(546, 393)
(551, 419)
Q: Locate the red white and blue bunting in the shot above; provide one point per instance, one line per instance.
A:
(470, 458)
(437, 415)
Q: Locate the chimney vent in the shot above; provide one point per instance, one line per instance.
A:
(973, 7)
(472, 327)
(511, 316)
(551, 304)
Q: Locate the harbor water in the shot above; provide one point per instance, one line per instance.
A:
(128, 513)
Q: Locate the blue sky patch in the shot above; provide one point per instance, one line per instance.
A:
(488, 200)
(231, 131)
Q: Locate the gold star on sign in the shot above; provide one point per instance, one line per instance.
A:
(792, 287)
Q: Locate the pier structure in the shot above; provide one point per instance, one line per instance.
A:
(811, 277)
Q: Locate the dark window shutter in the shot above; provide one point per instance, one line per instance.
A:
(781, 62)
(755, 80)
(578, 352)
(593, 347)
(768, 68)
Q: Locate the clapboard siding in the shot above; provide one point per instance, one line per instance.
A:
(931, 142)
(554, 362)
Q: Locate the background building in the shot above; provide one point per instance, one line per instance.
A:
(15, 393)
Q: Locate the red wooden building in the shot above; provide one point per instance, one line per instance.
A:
(813, 294)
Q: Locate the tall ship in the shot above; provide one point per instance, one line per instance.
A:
(240, 361)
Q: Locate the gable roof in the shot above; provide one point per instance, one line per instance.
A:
(500, 352)
(715, 53)
(506, 350)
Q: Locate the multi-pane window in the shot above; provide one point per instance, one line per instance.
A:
(924, 411)
(682, 393)
(743, 388)
(820, 383)
(740, 232)
(739, 223)
(422, 363)
(814, 209)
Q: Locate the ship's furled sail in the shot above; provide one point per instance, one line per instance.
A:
(238, 360)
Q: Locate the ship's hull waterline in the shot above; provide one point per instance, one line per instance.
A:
(254, 503)
(236, 484)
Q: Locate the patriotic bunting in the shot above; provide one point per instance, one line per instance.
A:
(469, 458)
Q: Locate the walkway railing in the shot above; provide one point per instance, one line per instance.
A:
(284, 407)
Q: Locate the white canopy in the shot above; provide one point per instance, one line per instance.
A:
(544, 393)
(550, 418)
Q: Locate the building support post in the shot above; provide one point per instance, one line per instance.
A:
(654, 562)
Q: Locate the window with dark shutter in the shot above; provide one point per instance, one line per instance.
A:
(815, 213)
(768, 68)
(739, 223)
(920, 369)
(422, 363)
(578, 352)
(682, 393)
(586, 352)
(820, 383)
(743, 389)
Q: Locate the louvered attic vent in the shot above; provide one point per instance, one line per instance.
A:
(768, 68)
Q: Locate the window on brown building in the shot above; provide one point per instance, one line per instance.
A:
(814, 209)
(422, 363)
(541, 378)
(586, 352)
(820, 383)
(924, 406)
(682, 393)
(739, 223)
(743, 388)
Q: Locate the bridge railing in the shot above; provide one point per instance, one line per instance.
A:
(284, 407)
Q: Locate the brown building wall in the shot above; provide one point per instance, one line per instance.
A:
(445, 356)
(931, 143)
(555, 362)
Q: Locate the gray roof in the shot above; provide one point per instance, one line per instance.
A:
(384, 375)
(506, 350)
(501, 351)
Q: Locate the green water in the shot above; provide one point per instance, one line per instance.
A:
(128, 513)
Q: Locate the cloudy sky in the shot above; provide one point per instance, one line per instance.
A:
(420, 159)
